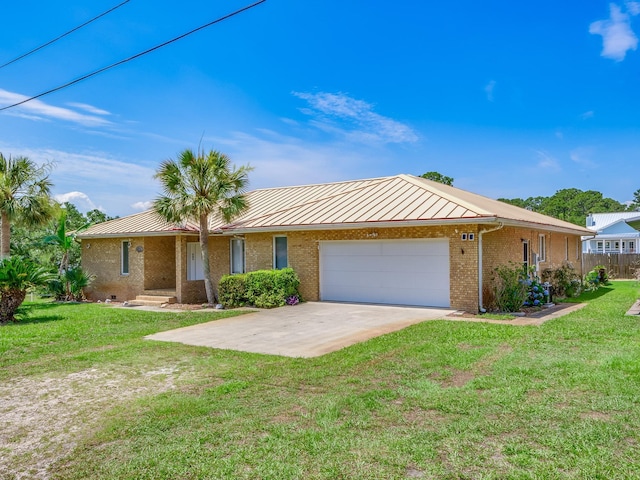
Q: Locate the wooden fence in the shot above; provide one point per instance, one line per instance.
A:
(618, 265)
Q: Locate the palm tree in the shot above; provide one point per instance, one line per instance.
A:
(197, 186)
(64, 239)
(24, 196)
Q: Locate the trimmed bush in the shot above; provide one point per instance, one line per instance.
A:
(262, 288)
(231, 291)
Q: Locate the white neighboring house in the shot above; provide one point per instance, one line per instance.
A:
(613, 233)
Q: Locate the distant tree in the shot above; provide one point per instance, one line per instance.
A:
(197, 186)
(24, 196)
(97, 216)
(438, 177)
(535, 204)
(635, 205)
(570, 204)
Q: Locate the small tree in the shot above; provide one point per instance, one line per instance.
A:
(17, 275)
(438, 177)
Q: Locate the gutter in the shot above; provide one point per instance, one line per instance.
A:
(480, 233)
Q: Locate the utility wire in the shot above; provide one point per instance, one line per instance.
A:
(96, 72)
(63, 35)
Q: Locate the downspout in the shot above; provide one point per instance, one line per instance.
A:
(480, 233)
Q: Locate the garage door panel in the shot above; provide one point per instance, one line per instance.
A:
(407, 263)
(377, 271)
(356, 263)
(350, 249)
(414, 248)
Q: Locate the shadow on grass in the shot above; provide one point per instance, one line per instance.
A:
(588, 296)
(30, 313)
(29, 319)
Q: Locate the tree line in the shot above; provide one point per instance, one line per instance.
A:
(569, 204)
(573, 205)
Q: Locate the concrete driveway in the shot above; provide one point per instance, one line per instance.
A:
(309, 329)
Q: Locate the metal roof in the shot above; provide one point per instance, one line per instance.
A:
(603, 220)
(145, 223)
(385, 201)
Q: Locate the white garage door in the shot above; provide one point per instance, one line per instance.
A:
(403, 272)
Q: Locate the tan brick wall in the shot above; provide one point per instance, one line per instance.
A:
(159, 263)
(303, 256)
(102, 258)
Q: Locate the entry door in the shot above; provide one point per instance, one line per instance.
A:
(194, 262)
(402, 272)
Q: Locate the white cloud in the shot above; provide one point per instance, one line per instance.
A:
(617, 36)
(89, 108)
(39, 110)
(339, 114)
(79, 199)
(113, 184)
(488, 88)
(281, 160)
(546, 161)
(582, 156)
(633, 8)
(587, 115)
(141, 206)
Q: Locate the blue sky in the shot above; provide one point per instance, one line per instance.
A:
(512, 99)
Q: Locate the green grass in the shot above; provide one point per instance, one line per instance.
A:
(441, 399)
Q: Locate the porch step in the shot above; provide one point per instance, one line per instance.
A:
(153, 300)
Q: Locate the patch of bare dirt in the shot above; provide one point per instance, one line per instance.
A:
(42, 418)
(605, 417)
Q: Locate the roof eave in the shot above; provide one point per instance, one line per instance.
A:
(139, 234)
(545, 226)
(354, 225)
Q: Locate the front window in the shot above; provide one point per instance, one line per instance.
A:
(280, 259)
(525, 256)
(542, 253)
(632, 247)
(599, 246)
(124, 257)
(237, 255)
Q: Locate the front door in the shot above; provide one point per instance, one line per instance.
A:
(194, 261)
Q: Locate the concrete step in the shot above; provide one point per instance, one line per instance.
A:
(155, 299)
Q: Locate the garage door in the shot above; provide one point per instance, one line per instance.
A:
(403, 272)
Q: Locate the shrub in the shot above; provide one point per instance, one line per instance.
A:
(70, 285)
(262, 288)
(537, 293)
(596, 278)
(232, 292)
(17, 275)
(565, 280)
(510, 287)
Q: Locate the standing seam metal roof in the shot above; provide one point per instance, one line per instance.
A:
(400, 198)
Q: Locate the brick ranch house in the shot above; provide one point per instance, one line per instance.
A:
(393, 240)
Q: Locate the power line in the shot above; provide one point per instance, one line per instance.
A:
(63, 35)
(96, 72)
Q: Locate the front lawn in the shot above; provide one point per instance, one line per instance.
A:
(442, 399)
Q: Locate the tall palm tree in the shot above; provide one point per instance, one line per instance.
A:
(197, 186)
(24, 196)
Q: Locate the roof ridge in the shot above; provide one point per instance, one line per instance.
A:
(316, 200)
(418, 181)
(358, 180)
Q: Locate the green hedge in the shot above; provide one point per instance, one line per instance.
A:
(262, 288)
